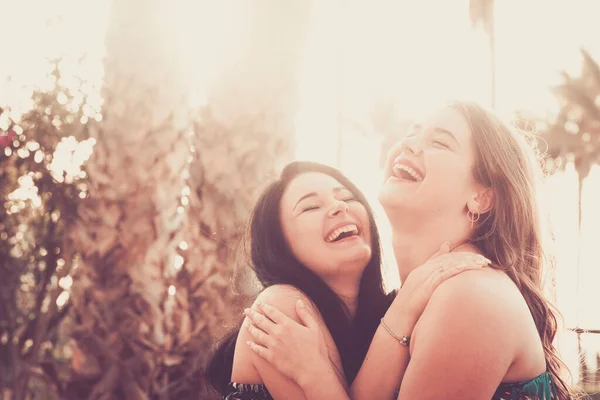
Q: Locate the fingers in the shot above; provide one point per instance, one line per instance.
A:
(443, 274)
(273, 313)
(259, 350)
(258, 335)
(259, 320)
(449, 260)
(305, 315)
(458, 258)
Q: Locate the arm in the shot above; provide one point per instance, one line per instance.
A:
(385, 354)
(303, 345)
(463, 345)
(248, 367)
(290, 346)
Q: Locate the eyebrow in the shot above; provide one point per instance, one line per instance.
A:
(437, 129)
(314, 194)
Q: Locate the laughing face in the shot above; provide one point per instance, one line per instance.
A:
(431, 171)
(326, 227)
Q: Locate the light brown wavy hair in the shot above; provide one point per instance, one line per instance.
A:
(510, 234)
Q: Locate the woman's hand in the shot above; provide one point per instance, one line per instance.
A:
(391, 355)
(420, 284)
(297, 351)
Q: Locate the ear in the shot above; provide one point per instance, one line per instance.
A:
(482, 201)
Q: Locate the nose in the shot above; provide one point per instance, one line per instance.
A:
(338, 208)
(413, 144)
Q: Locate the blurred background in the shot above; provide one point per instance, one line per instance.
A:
(135, 135)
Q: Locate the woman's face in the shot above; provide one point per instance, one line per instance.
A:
(326, 227)
(430, 172)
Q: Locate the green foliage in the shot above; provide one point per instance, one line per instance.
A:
(39, 204)
(574, 135)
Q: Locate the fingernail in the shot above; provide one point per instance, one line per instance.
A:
(460, 267)
(300, 303)
(246, 311)
(249, 343)
(258, 303)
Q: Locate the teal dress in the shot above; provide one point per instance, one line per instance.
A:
(539, 388)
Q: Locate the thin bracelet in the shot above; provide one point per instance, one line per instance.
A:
(404, 340)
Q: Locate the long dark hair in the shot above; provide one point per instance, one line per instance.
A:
(274, 263)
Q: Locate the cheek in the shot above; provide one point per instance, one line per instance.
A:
(361, 214)
(449, 183)
(450, 170)
(307, 227)
(304, 237)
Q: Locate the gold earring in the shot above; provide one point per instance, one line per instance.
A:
(473, 216)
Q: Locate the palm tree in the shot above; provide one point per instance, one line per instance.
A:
(575, 132)
(482, 15)
(168, 198)
(574, 135)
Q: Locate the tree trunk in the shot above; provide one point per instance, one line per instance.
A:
(130, 226)
(481, 13)
(581, 353)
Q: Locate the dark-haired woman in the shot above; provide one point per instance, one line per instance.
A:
(314, 239)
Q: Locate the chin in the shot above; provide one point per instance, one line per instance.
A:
(391, 199)
(359, 255)
(386, 197)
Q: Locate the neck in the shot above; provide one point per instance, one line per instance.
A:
(347, 290)
(414, 244)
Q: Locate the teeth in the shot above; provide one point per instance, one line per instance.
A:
(346, 228)
(411, 171)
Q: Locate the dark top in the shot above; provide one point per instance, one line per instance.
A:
(539, 388)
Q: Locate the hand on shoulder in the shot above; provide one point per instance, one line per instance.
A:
(284, 298)
(464, 339)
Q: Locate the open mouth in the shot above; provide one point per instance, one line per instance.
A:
(405, 172)
(342, 233)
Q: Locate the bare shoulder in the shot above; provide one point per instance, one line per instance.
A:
(247, 366)
(486, 301)
(284, 298)
(487, 288)
(465, 341)
(282, 294)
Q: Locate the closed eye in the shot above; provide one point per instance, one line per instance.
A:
(440, 143)
(310, 208)
(350, 199)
